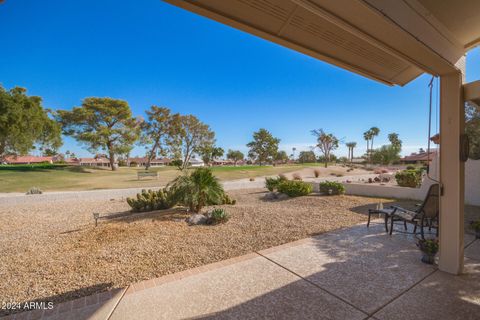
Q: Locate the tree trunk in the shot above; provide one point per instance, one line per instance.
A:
(112, 161)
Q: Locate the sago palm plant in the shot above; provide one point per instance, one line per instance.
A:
(197, 189)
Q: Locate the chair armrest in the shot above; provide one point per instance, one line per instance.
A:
(411, 214)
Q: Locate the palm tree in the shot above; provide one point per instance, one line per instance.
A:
(367, 135)
(293, 153)
(197, 189)
(351, 146)
(374, 131)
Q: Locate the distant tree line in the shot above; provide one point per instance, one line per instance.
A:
(107, 125)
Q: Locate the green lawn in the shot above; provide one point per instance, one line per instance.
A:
(60, 178)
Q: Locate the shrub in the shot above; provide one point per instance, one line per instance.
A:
(429, 246)
(410, 167)
(34, 190)
(176, 163)
(227, 200)
(133, 164)
(475, 225)
(316, 172)
(409, 178)
(217, 215)
(282, 176)
(198, 189)
(297, 176)
(149, 200)
(332, 188)
(294, 188)
(272, 183)
(252, 179)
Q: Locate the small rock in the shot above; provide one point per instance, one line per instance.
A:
(196, 219)
(270, 196)
(282, 196)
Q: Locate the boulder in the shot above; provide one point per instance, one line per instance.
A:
(196, 219)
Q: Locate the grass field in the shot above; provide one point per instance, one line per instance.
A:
(63, 178)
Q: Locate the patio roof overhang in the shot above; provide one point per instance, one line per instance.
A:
(389, 41)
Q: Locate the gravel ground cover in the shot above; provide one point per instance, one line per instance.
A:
(53, 251)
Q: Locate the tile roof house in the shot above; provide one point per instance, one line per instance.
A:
(422, 157)
(28, 159)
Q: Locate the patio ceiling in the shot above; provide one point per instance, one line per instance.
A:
(391, 41)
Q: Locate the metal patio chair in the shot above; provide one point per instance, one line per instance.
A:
(426, 215)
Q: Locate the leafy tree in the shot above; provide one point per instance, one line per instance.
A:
(281, 157)
(156, 132)
(235, 156)
(307, 157)
(389, 153)
(189, 136)
(210, 152)
(102, 123)
(326, 142)
(50, 152)
(264, 146)
(472, 129)
(395, 142)
(24, 123)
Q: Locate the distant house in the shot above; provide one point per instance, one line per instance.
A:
(72, 161)
(221, 162)
(142, 161)
(196, 163)
(94, 162)
(28, 159)
(418, 158)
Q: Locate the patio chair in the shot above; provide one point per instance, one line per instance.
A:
(426, 215)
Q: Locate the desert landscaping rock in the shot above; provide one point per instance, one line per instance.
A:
(56, 253)
(196, 219)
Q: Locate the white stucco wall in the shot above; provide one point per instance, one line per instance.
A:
(472, 186)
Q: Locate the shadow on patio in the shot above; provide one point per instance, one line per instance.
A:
(348, 274)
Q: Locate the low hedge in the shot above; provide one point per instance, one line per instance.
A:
(332, 188)
(294, 188)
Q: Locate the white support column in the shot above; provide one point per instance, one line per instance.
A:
(452, 173)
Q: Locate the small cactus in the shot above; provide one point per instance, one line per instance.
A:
(150, 200)
(34, 190)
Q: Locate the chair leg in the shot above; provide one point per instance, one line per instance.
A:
(405, 225)
(391, 225)
(415, 228)
(386, 223)
(369, 215)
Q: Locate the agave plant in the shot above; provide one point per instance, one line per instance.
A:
(197, 189)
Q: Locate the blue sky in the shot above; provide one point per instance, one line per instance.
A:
(154, 53)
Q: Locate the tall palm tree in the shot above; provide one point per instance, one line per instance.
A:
(367, 135)
(293, 153)
(351, 146)
(374, 131)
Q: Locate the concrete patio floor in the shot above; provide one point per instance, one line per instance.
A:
(354, 273)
